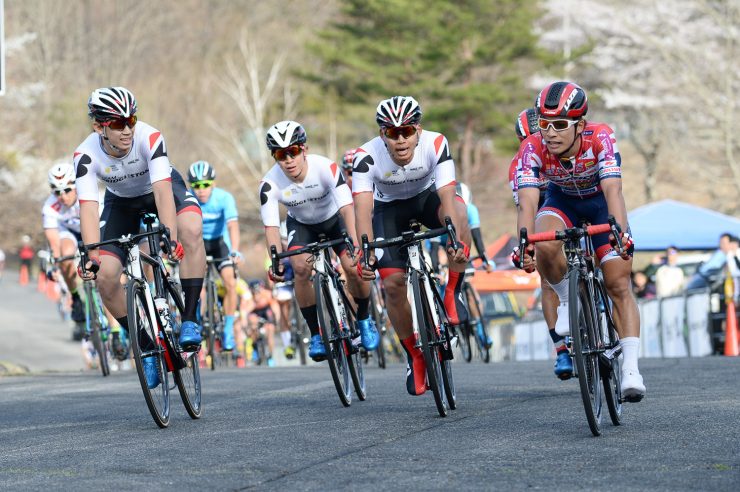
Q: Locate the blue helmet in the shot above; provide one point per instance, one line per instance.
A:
(201, 171)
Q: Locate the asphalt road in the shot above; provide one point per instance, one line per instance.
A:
(517, 427)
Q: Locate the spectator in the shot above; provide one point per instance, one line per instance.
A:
(669, 278)
(642, 287)
(717, 261)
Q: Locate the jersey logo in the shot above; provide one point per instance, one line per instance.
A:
(333, 168)
(82, 166)
(290, 236)
(340, 180)
(263, 192)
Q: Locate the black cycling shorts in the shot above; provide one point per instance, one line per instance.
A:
(123, 215)
(217, 248)
(300, 234)
(390, 219)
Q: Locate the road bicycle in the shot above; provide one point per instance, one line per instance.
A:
(213, 318)
(593, 340)
(152, 327)
(336, 316)
(430, 321)
(49, 265)
(470, 328)
(299, 333)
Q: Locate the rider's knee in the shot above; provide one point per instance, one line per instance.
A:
(395, 287)
(302, 271)
(190, 233)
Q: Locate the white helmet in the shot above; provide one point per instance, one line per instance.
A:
(62, 176)
(463, 190)
(108, 103)
(284, 134)
(398, 111)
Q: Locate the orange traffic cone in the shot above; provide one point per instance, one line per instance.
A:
(41, 284)
(731, 348)
(23, 278)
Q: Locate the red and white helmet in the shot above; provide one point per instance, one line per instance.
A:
(62, 176)
(398, 111)
(348, 159)
(562, 99)
(109, 103)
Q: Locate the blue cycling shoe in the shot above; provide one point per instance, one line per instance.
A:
(151, 371)
(316, 349)
(189, 335)
(483, 336)
(564, 366)
(368, 333)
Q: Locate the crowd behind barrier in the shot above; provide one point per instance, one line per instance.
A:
(676, 326)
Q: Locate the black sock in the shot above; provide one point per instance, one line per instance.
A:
(191, 287)
(312, 319)
(363, 308)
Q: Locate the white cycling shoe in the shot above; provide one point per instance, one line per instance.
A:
(633, 388)
(562, 325)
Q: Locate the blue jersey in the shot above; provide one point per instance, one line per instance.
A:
(217, 211)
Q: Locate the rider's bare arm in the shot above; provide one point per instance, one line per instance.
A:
(166, 206)
(612, 188)
(90, 223)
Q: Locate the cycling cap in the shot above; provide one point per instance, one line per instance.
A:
(61, 176)
(526, 123)
(201, 171)
(398, 111)
(562, 99)
(109, 103)
(284, 134)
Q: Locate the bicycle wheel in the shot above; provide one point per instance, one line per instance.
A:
(299, 330)
(97, 316)
(144, 347)
(483, 349)
(611, 365)
(585, 348)
(209, 322)
(428, 336)
(335, 351)
(186, 368)
(445, 346)
(464, 341)
(376, 311)
(353, 353)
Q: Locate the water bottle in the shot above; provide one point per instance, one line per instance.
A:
(164, 313)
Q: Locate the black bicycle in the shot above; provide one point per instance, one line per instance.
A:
(475, 327)
(152, 329)
(594, 339)
(336, 316)
(213, 318)
(299, 333)
(430, 321)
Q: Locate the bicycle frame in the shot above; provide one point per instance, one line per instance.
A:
(415, 263)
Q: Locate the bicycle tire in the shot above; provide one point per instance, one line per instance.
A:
(95, 316)
(446, 364)
(483, 350)
(353, 354)
(299, 330)
(210, 322)
(611, 367)
(464, 341)
(583, 335)
(157, 399)
(187, 378)
(335, 351)
(376, 311)
(427, 333)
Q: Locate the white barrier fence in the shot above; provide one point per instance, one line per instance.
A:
(669, 327)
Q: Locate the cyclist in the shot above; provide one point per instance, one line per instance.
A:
(583, 165)
(319, 202)
(264, 308)
(244, 306)
(220, 235)
(526, 125)
(347, 160)
(283, 294)
(131, 158)
(395, 175)
(61, 221)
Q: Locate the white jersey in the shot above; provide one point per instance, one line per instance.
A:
(318, 198)
(129, 176)
(374, 170)
(56, 216)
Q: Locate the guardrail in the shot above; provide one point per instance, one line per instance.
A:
(675, 326)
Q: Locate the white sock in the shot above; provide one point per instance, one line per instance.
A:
(631, 350)
(285, 336)
(561, 289)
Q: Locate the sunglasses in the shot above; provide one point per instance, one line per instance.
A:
(199, 185)
(393, 132)
(121, 123)
(282, 154)
(558, 125)
(63, 192)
